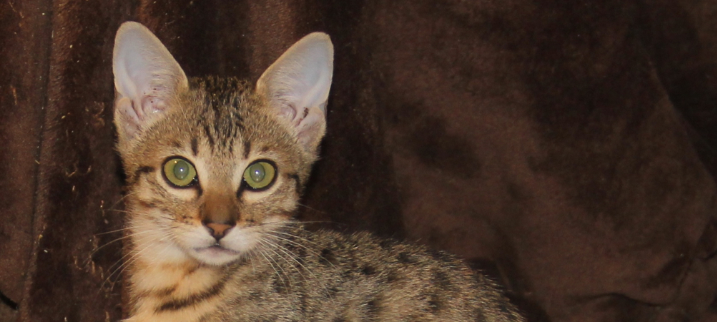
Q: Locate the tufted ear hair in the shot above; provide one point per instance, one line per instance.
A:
(146, 78)
(297, 87)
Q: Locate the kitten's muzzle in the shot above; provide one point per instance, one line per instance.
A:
(218, 230)
(219, 213)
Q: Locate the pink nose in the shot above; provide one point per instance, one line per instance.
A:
(218, 230)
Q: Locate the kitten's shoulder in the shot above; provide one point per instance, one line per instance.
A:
(434, 283)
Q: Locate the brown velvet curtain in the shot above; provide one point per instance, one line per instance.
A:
(566, 147)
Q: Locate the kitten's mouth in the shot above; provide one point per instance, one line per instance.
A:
(215, 254)
(215, 250)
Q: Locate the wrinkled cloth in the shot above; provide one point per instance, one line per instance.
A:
(567, 147)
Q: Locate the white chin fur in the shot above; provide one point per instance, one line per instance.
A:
(214, 255)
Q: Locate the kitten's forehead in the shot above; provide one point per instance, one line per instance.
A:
(225, 118)
(221, 126)
(221, 117)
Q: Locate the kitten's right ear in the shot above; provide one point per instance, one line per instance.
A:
(146, 77)
(297, 86)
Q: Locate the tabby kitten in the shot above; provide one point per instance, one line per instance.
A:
(215, 168)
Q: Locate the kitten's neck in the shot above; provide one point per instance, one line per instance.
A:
(164, 278)
(167, 286)
(166, 291)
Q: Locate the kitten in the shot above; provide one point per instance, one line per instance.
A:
(215, 168)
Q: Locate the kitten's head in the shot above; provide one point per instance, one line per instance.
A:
(215, 166)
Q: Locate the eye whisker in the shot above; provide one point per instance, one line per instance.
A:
(310, 208)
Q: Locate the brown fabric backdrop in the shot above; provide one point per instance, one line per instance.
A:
(568, 147)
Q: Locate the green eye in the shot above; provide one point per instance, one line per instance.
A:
(259, 175)
(179, 172)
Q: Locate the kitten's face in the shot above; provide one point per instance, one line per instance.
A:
(214, 168)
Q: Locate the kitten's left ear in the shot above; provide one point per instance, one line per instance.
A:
(297, 86)
(146, 78)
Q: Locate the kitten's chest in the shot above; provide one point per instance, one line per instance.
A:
(255, 289)
(188, 292)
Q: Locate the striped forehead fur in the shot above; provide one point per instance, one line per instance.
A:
(226, 117)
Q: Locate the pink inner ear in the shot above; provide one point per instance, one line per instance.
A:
(135, 116)
(309, 128)
(127, 116)
(151, 105)
(288, 112)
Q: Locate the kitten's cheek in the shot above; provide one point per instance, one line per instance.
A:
(280, 217)
(240, 240)
(194, 239)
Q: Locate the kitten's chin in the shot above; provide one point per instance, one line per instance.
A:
(215, 255)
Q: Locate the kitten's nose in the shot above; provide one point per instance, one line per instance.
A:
(218, 230)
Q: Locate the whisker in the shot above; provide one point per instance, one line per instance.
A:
(113, 231)
(120, 200)
(108, 278)
(94, 251)
(276, 246)
(250, 258)
(120, 211)
(298, 222)
(295, 236)
(128, 263)
(294, 258)
(272, 265)
(131, 260)
(267, 246)
(312, 251)
(311, 208)
(128, 266)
